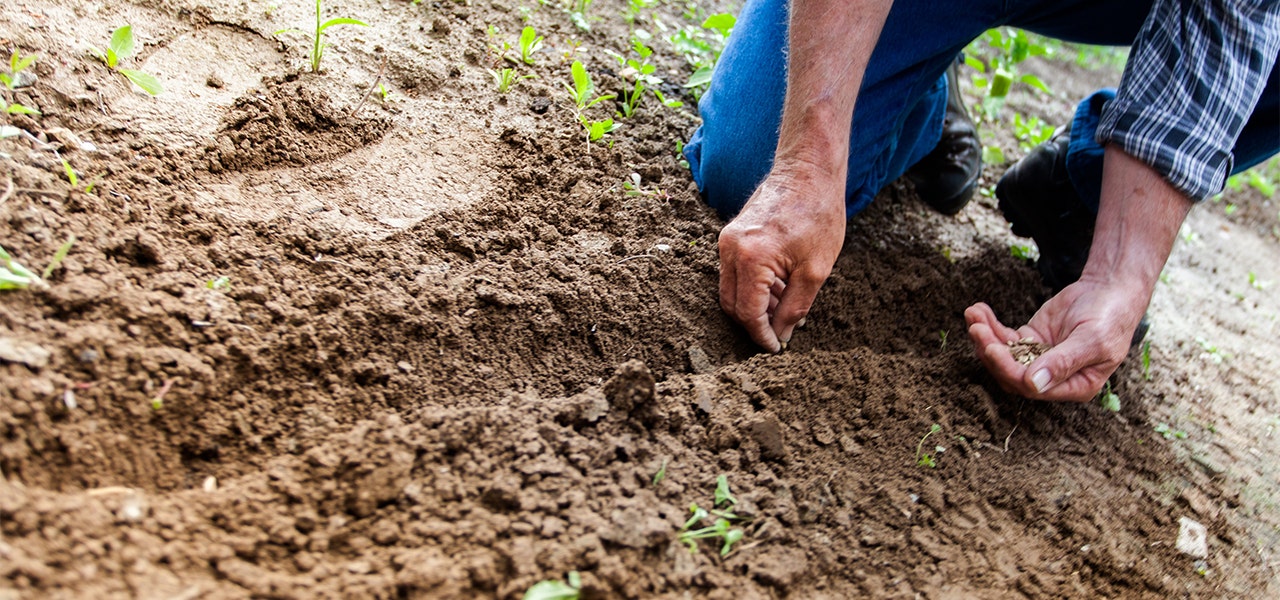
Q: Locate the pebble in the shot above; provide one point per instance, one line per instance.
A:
(28, 353)
(1193, 538)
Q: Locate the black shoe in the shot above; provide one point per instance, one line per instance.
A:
(1038, 199)
(946, 177)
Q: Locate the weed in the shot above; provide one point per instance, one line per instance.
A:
(317, 38)
(1170, 433)
(1006, 46)
(582, 92)
(701, 47)
(1023, 252)
(722, 491)
(530, 42)
(554, 589)
(11, 80)
(506, 78)
(643, 73)
(1256, 283)
(1108, 399)
(578, 14)
(1212, 352)
(120, 48)
(661, 474)
(924, 459)
(1146, 360)
(1031, 132)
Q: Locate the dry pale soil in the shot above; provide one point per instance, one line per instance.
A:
(452, 352)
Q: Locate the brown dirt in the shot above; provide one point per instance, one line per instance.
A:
(454, 351)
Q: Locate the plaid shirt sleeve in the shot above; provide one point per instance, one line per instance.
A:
(1195, 74)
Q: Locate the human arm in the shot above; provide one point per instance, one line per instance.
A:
(1090, 322)
(775, 255)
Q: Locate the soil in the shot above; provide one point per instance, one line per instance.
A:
(453, 352)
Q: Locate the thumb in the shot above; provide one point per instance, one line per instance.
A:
(1056, 374)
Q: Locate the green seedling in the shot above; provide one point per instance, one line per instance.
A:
(554, 589)
(1146, 360)
(1170, 433)
(498, 47)
(633, 9)
(942, 335)
(578, 14)
(582, 92)
(530, 42)
(1031, 132)
(924, 459)
(10, 79)
(121, 48)
(1212, 352)
(642, 72)
(723, 495)
(722, 529)
(1108, 399)
(1023, 252)
(317, 38)
(218, 283)
(1256, 283)
(661, 474)
(992, 155)
(1007, 46)
(14, 276)
(506, 79)
(74, 179)
(702, 46)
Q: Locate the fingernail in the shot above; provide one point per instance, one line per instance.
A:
(800, 323)
(1041, 379)
(782, 345)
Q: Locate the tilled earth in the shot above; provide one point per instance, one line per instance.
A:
(454, 356)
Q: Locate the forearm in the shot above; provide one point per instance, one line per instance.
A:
(1138, 221)
(830, 44)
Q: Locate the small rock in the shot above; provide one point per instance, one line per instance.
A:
(1193, 538)
(405, 366)
(210, 484)
(699, 362)
(132, 508)
(850, 445)
(767, 431)
(823, 435)
(215, 82)
(28, 353)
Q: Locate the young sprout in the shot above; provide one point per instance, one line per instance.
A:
(722, 491)
(1146, 360)
(506, 79)
(317, 39)
(58, 257)
(554, 589)
(14, 276)
(530, 42)
(661, 474)
(1108, 399)
(582, 92)
(924, 459)
(11, 80)
(120, 48)
(722, 529)
(578, 14)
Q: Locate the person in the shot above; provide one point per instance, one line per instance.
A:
(815, 105)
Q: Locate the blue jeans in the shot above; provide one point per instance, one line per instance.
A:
(899, 112)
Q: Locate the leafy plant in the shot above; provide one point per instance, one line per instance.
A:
(10, 79)
(722, 529)
(498, 47)
(701, 47)
(642, 72)
(723, 495)
(506, 78)
(1212, 352)
(582, 92)
(923, 458)
(1108, 399)
(1007, 47)
(1023, 252)
(530, 42)
(121, 48)
(1170, 433)
(633, 9)
(317, 38)
(14, 276)
(1031, 132)
(578, 14)
(554, 589)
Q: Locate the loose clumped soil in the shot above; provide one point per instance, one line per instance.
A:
(453, 352)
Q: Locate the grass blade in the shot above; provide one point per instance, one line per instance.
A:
(340, 21)
(58, 257)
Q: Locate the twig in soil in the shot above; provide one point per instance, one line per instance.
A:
(372, 86)
(631, 258)
(1010, 436)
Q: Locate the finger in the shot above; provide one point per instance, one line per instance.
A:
(1072, 371)
(981, 313)
(751, 306)
(796, 300)
(1008, 372)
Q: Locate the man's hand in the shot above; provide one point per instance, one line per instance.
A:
(1089, 325)
(1090, 322)
(777, 253)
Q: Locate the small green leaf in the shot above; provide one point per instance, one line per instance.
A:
(722, 491)
(976, 64)
(146, 81)
(581, 82)
(18, 64)
(1035, 82)
(992, 155)
(551, 589)
(722, 22)
(58, 257)
(699, 77)
(18, 109)
(71, 174)
(340, 21)
(121, 45)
